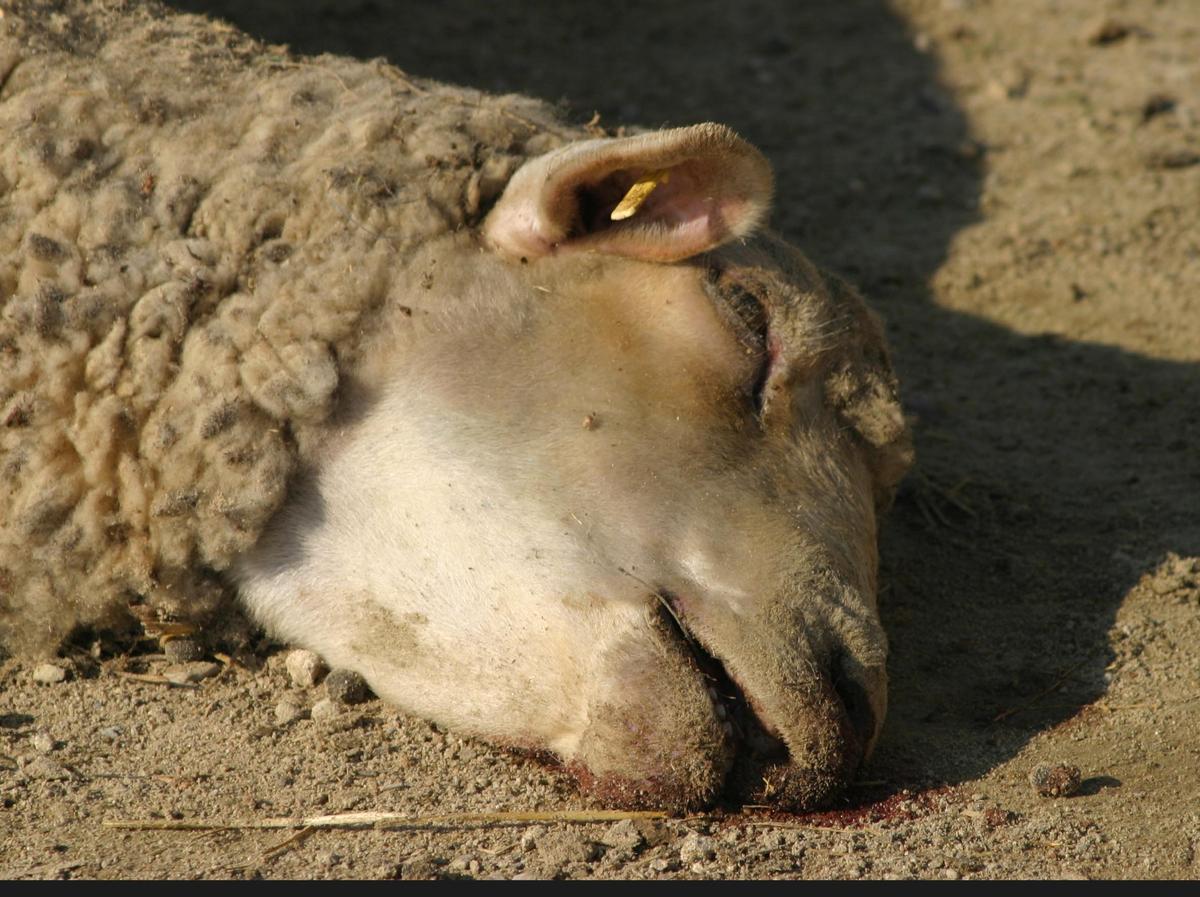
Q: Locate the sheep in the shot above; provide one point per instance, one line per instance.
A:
(534, 426)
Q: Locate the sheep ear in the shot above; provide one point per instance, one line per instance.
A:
(662, 196)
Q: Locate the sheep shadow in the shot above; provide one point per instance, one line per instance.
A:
(1047, 480)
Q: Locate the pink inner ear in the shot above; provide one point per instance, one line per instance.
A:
(680, 201)
(684, 216)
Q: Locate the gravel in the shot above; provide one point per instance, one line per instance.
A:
(183, 649)
(305, 668)
(1057, 780)
(289, 710)
(347, 687)
(49, 674)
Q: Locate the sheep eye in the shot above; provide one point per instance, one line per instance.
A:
(746, 314)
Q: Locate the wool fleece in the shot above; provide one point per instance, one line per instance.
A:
(197, 232)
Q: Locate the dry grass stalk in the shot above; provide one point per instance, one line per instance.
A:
(375, 820)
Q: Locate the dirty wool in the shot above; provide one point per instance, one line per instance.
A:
(196, 231)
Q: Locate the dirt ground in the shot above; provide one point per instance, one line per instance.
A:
(1016, 187)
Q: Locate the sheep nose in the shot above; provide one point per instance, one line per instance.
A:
(856, 701)
(801, 761)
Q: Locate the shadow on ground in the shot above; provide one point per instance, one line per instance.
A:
(1049, 470)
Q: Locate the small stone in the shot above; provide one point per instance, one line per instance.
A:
(110, 733)
(623, 835)
(327, 858)
(42, 767)
(654, 833)
(347, 687)
(1107, 31)
(560, 847)
(418, 867)
(183, 650)
(1057, 780)
(1010, 84)
(1171, 159)
(49, 674)
(189, 673)
(695, 848)
(305, 668)
(205, 669)
(288, 711)
(529, 838)
(997, 816)
(325, 709)
(1157, 104)
(177, 676)
(951, 874)
(42, 741)
(199, 670)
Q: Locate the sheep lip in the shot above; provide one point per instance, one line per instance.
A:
(745, 727)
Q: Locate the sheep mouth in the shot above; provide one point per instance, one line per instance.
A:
(754, 742)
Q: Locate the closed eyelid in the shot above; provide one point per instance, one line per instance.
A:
(748, 318)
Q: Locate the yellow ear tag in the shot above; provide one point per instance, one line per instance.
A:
(637, 195)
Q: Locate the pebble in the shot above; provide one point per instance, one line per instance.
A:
(1012, 84)
(559, 847)
(1169, 159)
(49, 674)
(1057, 780)
(1107, 31)
(530, 837)
(43, 742)
(695, 848)
(183, 650)
(655, 833)
(288, 711)
(347, 687)
(418, 867)
(327, 858)
(177, 676)
(325, 709)
(1158, 104)
(305, 668)
(623, 835)
(42, 767)
(187, 673)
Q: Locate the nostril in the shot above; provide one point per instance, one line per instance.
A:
(857, 703)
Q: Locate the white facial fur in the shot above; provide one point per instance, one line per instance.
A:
(528, 473)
